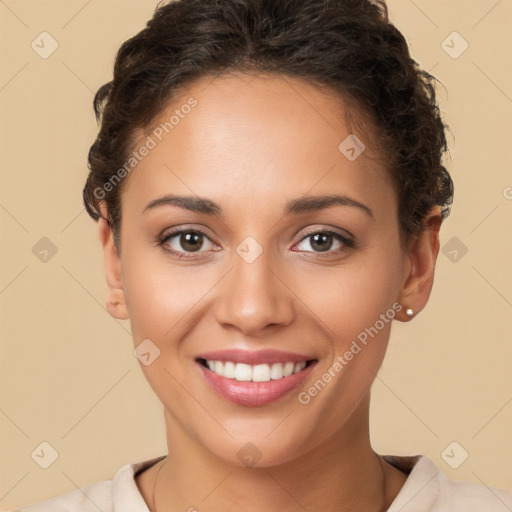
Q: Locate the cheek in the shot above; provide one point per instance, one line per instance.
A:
(351, 298)
(161, 296)
(355, 307)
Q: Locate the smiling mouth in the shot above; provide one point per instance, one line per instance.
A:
(255, 373)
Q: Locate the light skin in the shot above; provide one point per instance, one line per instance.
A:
(251, 145)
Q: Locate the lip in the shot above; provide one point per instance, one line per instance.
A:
(254, 356)
(253, 394)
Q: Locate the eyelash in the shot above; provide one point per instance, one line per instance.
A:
(347, 243)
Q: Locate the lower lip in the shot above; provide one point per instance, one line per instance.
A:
(253, 394)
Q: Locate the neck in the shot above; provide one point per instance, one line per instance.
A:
(343, 473)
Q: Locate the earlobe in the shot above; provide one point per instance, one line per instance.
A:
(115, 301)
(423, 249)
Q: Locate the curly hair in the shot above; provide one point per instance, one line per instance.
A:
(348, 46)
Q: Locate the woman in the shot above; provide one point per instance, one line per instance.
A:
(269, 190)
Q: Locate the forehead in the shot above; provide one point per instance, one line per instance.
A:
(260, 133)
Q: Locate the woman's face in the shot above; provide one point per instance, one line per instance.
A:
(252, 276)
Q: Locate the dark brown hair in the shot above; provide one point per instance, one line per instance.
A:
(350, 46)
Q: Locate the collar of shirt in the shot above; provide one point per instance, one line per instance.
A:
(417, 494)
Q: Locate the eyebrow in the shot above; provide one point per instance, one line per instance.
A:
(293, 207)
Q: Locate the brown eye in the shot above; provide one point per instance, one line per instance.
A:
(185, 241)
(323, 241)
(191, 240)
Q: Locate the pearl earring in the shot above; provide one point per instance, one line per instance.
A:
(409, 312)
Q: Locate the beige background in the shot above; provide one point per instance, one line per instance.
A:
(68, 374)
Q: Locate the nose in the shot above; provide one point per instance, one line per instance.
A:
(254, 296)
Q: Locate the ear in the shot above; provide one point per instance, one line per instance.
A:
(116, 302)
(421, 255)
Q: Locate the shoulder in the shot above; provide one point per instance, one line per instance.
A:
(429, 489)
(120, 493)
(93, 497)
(456, 495)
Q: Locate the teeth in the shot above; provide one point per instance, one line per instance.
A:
(299, 366)
(261, 373)
(243, 372)
(276, 371)
(229, 370)
(254, 373)
(217, 366)
(288, 369)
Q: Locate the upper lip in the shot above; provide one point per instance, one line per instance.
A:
(254, 356)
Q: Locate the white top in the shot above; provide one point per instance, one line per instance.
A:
(427, 489)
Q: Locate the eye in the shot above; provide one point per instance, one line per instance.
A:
(322, 241)
(185, 241)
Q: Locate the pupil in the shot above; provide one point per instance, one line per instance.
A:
(323, 237)
(190, 238)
